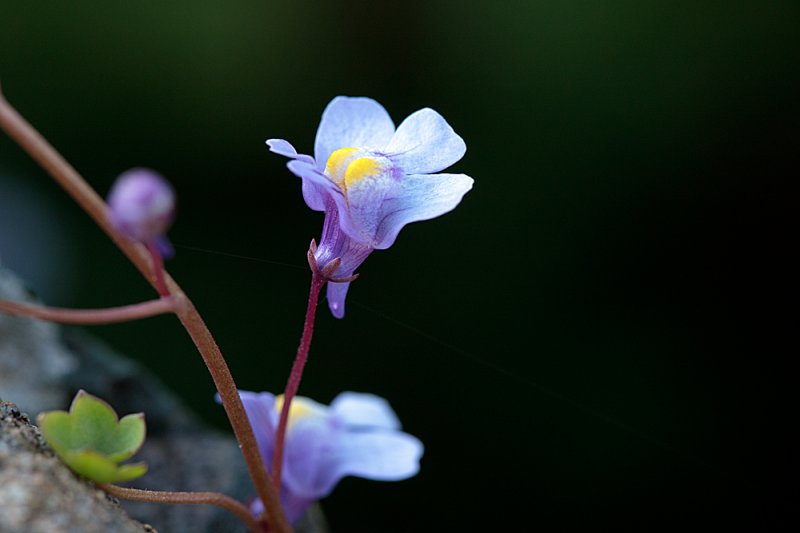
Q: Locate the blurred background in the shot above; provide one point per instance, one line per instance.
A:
(598, 337)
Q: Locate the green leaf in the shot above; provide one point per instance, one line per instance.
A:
(100, 468)
(91, 439)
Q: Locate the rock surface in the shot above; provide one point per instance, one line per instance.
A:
(33, 361)
(38, 494)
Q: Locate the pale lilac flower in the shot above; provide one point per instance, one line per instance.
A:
(142, 206)
(372, 179)
(357, 435)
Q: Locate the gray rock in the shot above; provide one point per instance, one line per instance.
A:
(33, 361)
(39, 494)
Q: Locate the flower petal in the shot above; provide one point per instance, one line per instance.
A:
(351, 122)
(306, 443)
(260, 409)
(284, 148)
(364, 410)
(425, 143)
(335, 243)
(316, 187)
(294, 506)
(365, 200)
(419, 197)
(319, 456)
(382, 456)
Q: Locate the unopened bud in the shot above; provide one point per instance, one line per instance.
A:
(142, 205)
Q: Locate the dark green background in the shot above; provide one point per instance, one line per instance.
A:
(596, 338)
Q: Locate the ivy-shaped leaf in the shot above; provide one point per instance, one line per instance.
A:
(91, 439)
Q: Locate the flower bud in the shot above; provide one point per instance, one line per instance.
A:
(142, 205)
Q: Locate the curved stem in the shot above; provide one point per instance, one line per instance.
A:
(62, 172)
(110, 315)
(317, 282)
(158, 269)
(229, 394)
(191, 498)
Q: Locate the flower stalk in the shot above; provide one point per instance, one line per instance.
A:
(293, 384)
(192, 498)
(68, 178)
(109, 315)
(319, 276)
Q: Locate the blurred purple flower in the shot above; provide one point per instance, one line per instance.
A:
(371, 179)
(142, 206)
(358, 435)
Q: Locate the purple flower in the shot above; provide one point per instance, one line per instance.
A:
(371, 179)
(358, 435)
(142, 206)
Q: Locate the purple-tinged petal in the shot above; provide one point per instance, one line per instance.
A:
(351, 122)
(316, 187)
(263, 417)
(335, 243)
(319, 455)
(294, 506)
(284, 148)
(257, 507)
(321, 458)
(419, 197)
(382, 456)
(354, 409)
(425, 143)
(307, 442)
(365, 199)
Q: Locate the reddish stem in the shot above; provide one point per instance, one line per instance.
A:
(65, 175)
(317, 282)
(110, 315)
(195, 498)
(158, 269)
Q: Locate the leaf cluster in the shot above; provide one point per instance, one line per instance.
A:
(92, 440)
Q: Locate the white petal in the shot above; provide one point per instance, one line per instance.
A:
(425, 143)
(419, 197)
(368, 410)
(284, 148)
(364, 203)
(317, 458)
(383, 456)
(350, 122)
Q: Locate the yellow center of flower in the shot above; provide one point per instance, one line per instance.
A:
(348, 166)
(298, 409)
